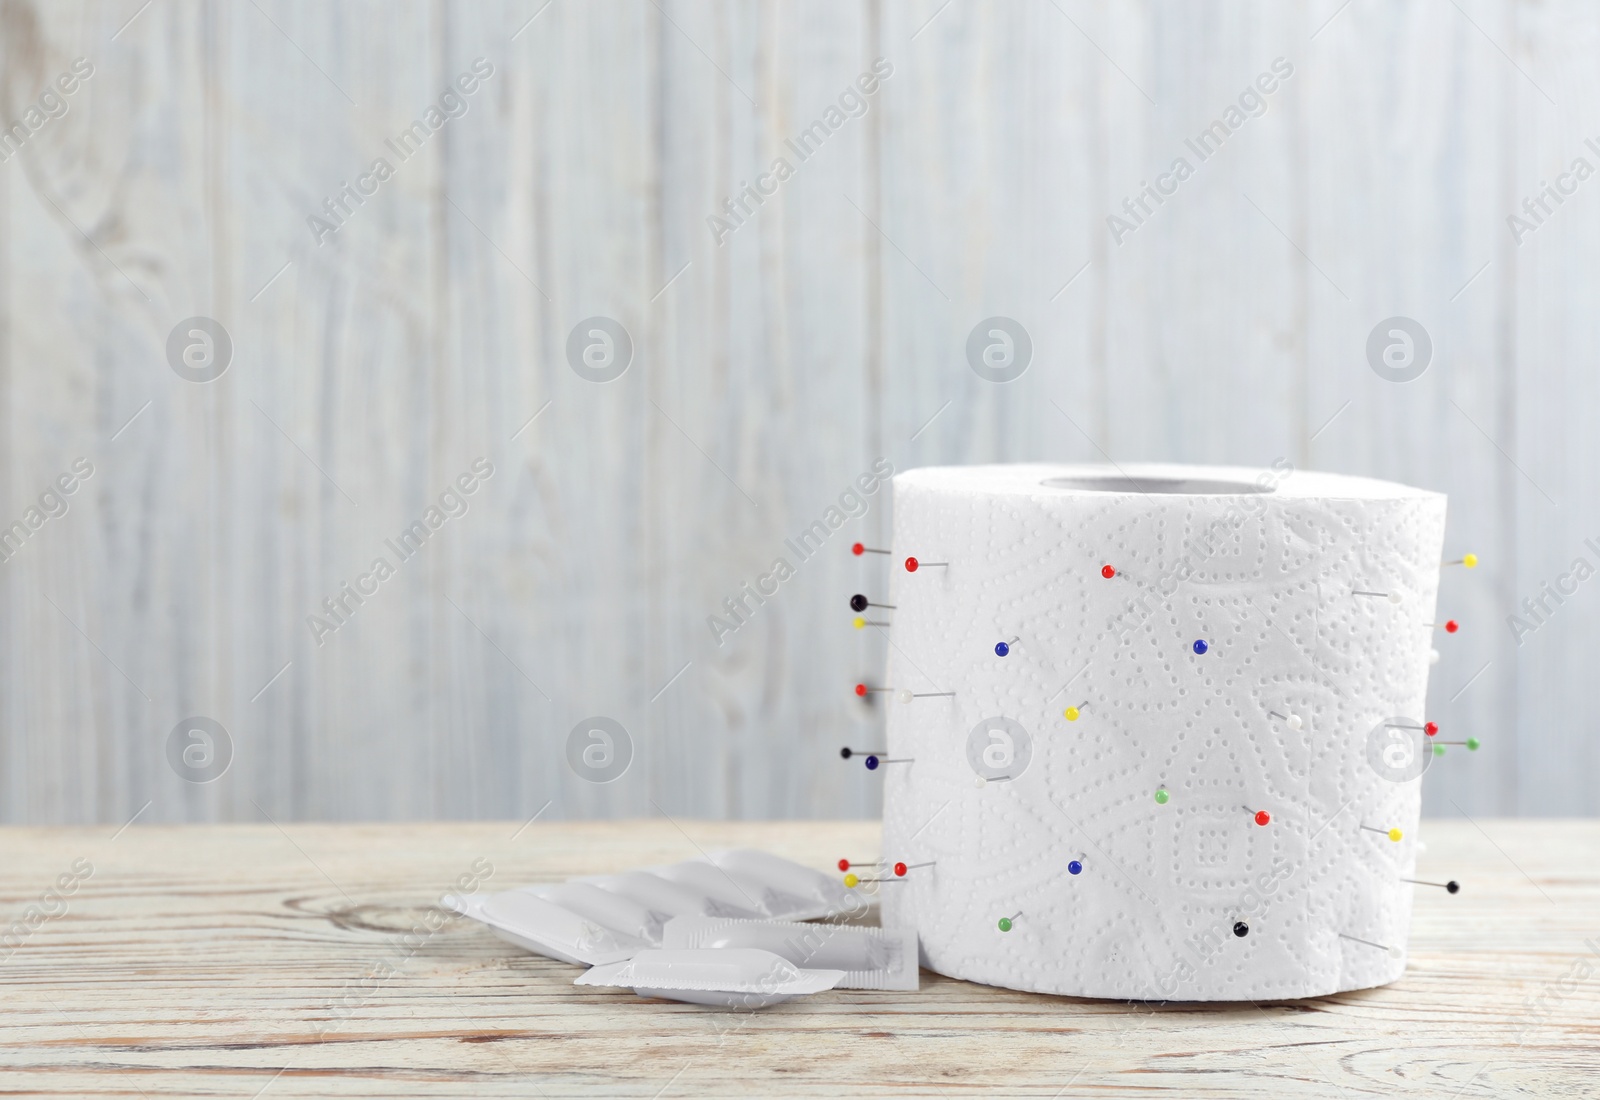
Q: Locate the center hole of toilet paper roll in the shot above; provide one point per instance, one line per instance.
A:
(1175, 486)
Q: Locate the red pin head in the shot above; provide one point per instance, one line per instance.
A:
(900, 868)
(861, 689)
(1107, 572)
(1451, 626)
(911, 565)
(1262, 817)
(858, 549)
(1430, 728)
(844, 865)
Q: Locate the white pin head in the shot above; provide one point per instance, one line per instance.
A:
(1294, 722)
(905, 695)
(1433, 656)
(1395, 597)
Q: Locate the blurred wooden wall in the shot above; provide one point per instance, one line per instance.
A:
(768, 371)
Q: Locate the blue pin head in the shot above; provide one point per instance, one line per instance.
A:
(1075, 868)
(872, 763)
(1001, 649)
(1200, 646)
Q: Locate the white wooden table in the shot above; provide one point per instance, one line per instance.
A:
(249, 960)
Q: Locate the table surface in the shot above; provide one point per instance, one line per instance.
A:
(259, 960)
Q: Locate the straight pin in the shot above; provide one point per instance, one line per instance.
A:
(1468, 560)
(1392, 834)
(1291, 720)
(1007, 923)
(860, 624)
(1429, 728)
(858, 602)
(906, 695)
(1449, 626)
(1392, 597)
(1394, 952)
(912, 565)
(1003, 648)
(874, 761)
(1071, 713)
(859, 549)
(863, 689)
(1452, 886)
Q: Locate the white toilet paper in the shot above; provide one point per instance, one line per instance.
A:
(1312, 593)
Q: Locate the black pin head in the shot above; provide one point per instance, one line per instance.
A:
(858, 603)
(1241, 929)
(1453, 886)
(845, 753)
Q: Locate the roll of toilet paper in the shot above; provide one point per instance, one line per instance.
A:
(1187, 721)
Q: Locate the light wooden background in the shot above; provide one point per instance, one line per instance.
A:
(768, 372)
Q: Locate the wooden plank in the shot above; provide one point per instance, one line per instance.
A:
(244, 960)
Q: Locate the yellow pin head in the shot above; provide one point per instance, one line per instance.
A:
(1394, 834)
(1071, 714)
(858, 622)
(851, 881)
(1470, 561)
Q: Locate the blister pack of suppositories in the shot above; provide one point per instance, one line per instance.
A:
(523, 918)
(734, 977)
(761, 884)
(600, 919)
(871, 958)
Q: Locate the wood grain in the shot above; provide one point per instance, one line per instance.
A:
(253, 960)
(769, 370)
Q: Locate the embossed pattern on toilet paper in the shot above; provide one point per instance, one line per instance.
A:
(1266, 581)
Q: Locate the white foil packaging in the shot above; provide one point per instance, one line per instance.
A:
(605, 918)
(666, 898)
(871, 958)
(800, 892)
(523, 918)
(736, 977)
(610, 910)
(736, 887)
